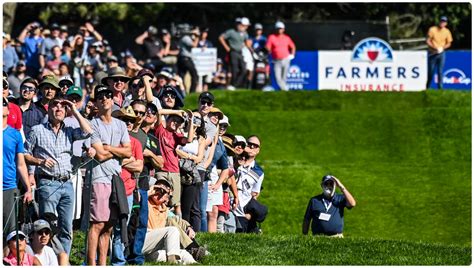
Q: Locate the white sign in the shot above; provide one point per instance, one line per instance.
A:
(372, 66)
(205, 60)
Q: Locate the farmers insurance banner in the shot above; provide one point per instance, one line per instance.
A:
(372, 66)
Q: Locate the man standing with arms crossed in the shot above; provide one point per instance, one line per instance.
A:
(112, 143)
(439, 39)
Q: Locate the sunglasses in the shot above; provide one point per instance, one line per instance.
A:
(57, 102)
(28, 89)
(138, 85)
(20, 237)
(170, 95)
(65, 84)
(223, 126)
(151, 111)
(107, 95)
(240, 144)
(253, 145)
(139, 113)
(128, 121)
(208, 103)
(119, 79)
(43, 232)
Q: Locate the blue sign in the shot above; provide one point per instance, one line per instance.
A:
(457, 71)
(303, 72)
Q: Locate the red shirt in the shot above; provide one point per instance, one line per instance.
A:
(15, 119)
(279, 45)
(168, 143)
(126, 176)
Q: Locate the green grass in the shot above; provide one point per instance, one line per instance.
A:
(406, 158)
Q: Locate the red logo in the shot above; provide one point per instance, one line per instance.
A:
(372, 55)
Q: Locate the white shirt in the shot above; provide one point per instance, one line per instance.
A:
(248, 181)
(47, 257)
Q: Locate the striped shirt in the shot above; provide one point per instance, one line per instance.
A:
(43, 143)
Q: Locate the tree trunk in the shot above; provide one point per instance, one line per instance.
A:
(8, 16)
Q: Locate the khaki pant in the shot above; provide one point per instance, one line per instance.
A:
(163, 242)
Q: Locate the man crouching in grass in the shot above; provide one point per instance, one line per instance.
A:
(162, 243)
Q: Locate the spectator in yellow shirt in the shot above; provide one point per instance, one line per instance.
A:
(439, 39)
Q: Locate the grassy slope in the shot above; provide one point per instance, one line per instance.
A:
(406, 157)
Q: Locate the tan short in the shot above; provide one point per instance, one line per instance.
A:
(175, 180)
(100, 195)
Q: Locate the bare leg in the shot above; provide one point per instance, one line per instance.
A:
(104, 240)
(93, 240)
(212, 219)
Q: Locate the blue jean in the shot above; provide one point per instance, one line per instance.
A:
(203, 205)
(136, 248)
(118, 248)
(57, 196)
(436, 61)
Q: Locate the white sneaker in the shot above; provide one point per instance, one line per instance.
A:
(231, 88)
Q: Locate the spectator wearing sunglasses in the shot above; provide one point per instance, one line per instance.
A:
(140, 110)
(26, 259)
(170, 98)
(15, 119)
(64, 83)
(39, 240)
(52, 168)
(31, 115)
(131, 167)
(169, 137)
(111, 141)
(194, 151)
(249, 182)
(116, 80)
(153, 161)
(140, 87)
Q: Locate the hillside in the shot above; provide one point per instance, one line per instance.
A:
(406, 158)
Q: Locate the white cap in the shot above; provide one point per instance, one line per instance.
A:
(279, 25)
(239, 138)
(224, 120)
(245, 21)
(13, 234)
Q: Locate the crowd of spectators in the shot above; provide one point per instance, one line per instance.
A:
(104, 145)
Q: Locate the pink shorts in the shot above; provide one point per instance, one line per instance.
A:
(100, 195)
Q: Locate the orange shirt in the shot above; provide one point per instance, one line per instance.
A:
(157, 216)
(439, 37)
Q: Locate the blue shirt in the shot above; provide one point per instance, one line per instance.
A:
(12, 145)
(220, 156)
(316, 206)
(258, 44)
(10, 58)
(30, 49)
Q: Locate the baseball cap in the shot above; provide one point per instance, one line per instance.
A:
(206, 95)
(75, 90)
(258, 26)
(51, 80)
(144, 72)
(279, 25)
(224, 120)
(239, 138)
(327, 178)
(101, 88)
(165, 74)
(67, 78)
(245, 21)
(443, 18)
(40, 225)
(112, 58)
(14, 233)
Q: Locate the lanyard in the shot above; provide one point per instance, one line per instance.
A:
(327, 204)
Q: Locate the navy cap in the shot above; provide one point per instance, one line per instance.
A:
(327, 178)
(443, 18)
(207, 95)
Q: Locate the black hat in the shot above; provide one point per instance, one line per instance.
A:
(327, 178)
(101, 88)
(151, 106)
(169, 89)
(207, 95)
(54, 26)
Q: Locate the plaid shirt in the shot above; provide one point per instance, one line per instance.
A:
(43, 143)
